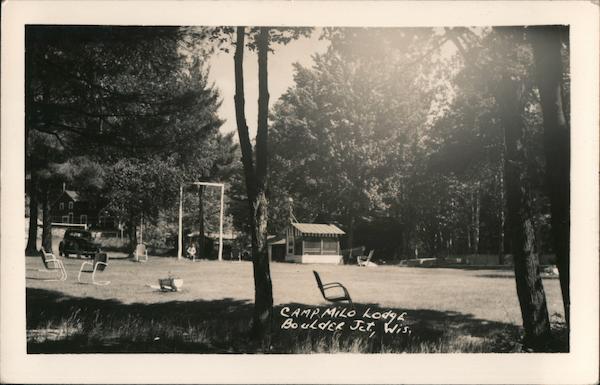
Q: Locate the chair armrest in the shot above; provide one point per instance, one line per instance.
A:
(332, 284)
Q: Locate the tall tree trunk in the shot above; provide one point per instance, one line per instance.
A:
(46, 221)
(132, 235)
(263, 313)
(405, 236)
(350, 238)
(256, 181)
(546, 42)
(469, 248)
(501, 251)
(31, 248)
(263, 290)
(477, 221)
(530, 290)
(201, 240)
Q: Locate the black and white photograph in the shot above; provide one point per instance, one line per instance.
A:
(282, 189)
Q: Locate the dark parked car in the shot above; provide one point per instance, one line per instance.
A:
(78, 242)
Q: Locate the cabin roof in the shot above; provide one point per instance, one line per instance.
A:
(317, 229)
(73, 195)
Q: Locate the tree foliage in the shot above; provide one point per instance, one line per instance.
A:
(111, 93)
(370, 132)
(347, 136)
(431, 143)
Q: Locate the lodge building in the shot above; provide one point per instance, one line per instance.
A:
(71, 208)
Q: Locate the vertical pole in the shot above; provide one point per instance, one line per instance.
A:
(221, 224)
(141, 239)
(180, 235)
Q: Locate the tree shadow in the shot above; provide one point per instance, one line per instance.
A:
(417, 331)
(467, 267)
(91, 325)
(511, 276)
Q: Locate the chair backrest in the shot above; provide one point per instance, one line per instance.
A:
(319, 282)
(100, 257)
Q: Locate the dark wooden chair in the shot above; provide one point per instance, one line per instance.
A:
(336, 286)
(51, 263)
(99, 263)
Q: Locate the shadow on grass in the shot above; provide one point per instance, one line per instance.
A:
(511, 276)
(468, 267)
(58, 323)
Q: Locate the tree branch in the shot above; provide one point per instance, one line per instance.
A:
(54, 133)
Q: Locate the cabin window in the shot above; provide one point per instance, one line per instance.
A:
(70, 205)
(312, 245)
(70, 217)
(330, 246)
(65, 219)
(83, 218)
(61, 206)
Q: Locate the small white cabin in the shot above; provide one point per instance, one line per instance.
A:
(313, 243)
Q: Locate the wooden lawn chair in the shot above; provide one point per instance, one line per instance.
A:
(51, 263)
(364, 260)
(99, 263)
(141, 253)
(332, 285)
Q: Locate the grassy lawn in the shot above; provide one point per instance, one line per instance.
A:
(447, 310)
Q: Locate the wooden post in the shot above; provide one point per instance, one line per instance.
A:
(221, 224)
(180, 235)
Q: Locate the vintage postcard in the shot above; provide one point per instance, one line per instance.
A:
(299, 192)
